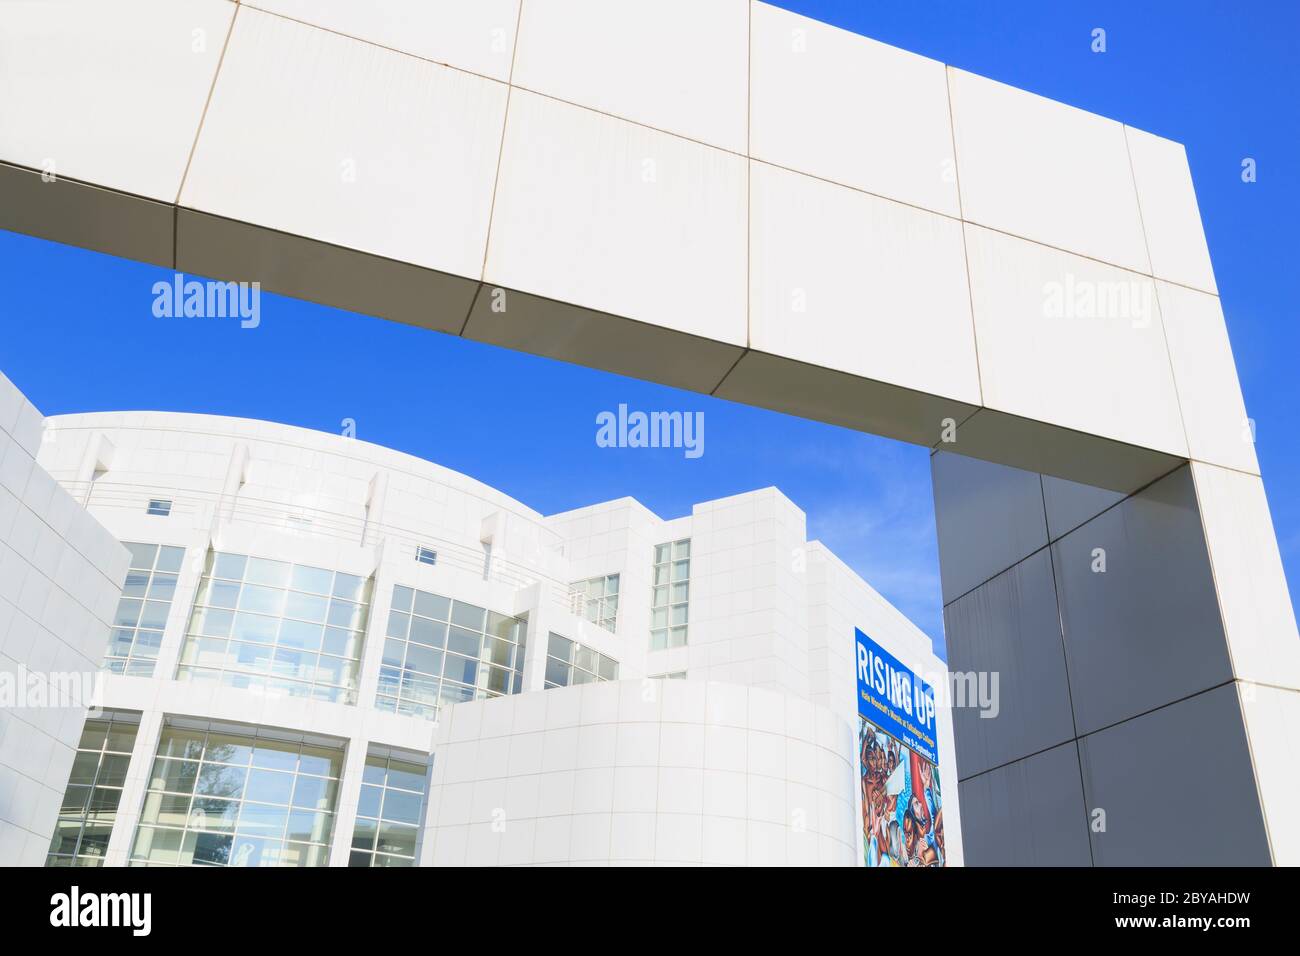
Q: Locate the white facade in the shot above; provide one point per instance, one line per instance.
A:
(60, 576)
(719, 196)
(750, 759)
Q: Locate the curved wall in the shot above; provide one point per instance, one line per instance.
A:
(641, 772)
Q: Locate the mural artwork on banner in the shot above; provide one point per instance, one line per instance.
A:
(902, 809)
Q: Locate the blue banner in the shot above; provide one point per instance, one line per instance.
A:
(895, 699)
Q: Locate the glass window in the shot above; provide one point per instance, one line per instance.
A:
(304, 627)
(568, 662)
(142, 611)
(670, 595)
(159, 507)
(389, 811)
(258, 799)
(89, 807)
(596, 599)
(437, 650)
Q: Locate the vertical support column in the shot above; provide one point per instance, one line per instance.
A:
(1147, 663)
(131, 805)
(345, 817)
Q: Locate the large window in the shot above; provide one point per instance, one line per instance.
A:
(238, 796)
(439, 651)
(277, 628)
(568, 662)
(670, 595)
(94, 791)
(596, 599)
(388, 814)
(142, 611)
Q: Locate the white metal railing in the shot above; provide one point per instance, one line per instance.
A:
(302, 519)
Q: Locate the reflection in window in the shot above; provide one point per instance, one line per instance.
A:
(568, 662)
(596, 599)
(142, 611)
(670, 595)
(389, 810)
(439, 651)
(277, 628)
(94, 791)
(229, 795)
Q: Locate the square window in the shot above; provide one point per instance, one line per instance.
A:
(162, 587)
(463, 641)
(142, 555)
(560, 648)
(402, 597)
(423, 659)
(136, 585)
(159, 507)
(341, 643)
(314, 793)
(467, 615)
(212, 622)
(229, 566)
(306, 607)
(557, 672)
(271, 574)
(426, 555)
(427, 632)
(307, 826)
(170, 558)
(349, 587)
(345, 614)
(269, 786)
(402, 807)
(311, 580)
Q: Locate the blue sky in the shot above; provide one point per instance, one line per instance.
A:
(1220, 78)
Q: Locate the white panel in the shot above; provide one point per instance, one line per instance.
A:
(1253, 595)
(1072, 342)
(846, 108)
(1272, 720)
(108, 92)
(60, 574)
(1175, 238)
(475, 35)
(331, 138)
(612, 216)
(860, 284)
(1206, 376)
(1046, 171)
(676, 65)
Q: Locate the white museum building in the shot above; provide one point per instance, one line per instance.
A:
(326, 652)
